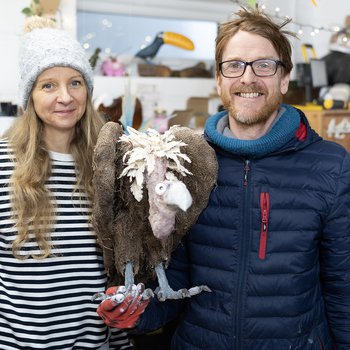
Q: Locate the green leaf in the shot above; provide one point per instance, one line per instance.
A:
(251, 3)
(36, 2)
(27, 11)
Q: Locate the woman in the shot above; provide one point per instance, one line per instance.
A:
(50, 266)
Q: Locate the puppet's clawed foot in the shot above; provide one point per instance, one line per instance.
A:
(131, 288)
(168, 293)
(139, 289)
(119, 293)
(164, 291)
(199, 289)
(147, 294)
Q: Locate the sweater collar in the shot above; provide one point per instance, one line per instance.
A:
(281, 132)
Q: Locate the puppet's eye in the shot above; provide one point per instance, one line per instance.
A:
(160, 188)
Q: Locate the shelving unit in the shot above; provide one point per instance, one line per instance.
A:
(156, 92)
(332, 125)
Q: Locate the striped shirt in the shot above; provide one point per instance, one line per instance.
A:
(46, 304)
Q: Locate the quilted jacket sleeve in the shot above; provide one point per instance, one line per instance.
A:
(335, 260)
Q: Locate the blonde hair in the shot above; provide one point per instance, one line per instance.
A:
(33, 210)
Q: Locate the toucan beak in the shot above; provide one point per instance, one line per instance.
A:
(169, 38)
(178, 40)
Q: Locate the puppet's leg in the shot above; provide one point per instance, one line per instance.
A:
(166, 292)
(130, 282)
(121, 292)
(129, 275)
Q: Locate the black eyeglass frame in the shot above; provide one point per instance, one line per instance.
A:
(277, 62)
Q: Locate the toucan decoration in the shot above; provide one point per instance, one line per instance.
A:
(161, 38)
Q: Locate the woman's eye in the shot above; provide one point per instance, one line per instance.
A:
(160, 188)
(47, 86)
(76, 83)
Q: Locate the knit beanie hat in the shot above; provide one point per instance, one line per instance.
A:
(44, 47)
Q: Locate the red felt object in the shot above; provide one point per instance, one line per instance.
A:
(124, 315)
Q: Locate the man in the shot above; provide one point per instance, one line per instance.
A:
(273, 244)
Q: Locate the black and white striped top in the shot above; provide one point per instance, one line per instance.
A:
(46, 304)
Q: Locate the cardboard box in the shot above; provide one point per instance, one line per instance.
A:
(199, 108)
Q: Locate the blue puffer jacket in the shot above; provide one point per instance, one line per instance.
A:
(273, 245)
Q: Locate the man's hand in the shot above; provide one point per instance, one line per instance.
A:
(121, 309)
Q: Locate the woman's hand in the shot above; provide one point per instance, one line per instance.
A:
(121, 308)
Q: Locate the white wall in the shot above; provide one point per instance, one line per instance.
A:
(11, 24)
(10, 28)
(213, 10)
(326, 14)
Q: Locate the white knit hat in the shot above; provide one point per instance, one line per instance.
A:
(44, 48)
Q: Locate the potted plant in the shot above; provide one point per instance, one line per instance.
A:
(41, 8)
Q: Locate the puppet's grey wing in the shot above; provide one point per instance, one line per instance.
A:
(104, 178)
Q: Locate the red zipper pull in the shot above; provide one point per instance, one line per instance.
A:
(265, 208)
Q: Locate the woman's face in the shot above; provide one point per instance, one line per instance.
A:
(59, 97)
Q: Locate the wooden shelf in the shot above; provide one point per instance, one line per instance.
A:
(332, 125)
(167, 93)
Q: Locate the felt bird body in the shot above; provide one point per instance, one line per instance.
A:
(149, 190)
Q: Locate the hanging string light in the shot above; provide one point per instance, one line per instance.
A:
(301, 26)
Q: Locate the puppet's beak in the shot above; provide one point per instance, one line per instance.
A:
(178, 195)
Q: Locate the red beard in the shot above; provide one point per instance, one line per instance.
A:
(252, 117)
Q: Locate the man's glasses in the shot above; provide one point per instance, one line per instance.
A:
(261, 68)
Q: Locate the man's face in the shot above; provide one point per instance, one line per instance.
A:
(249, 99)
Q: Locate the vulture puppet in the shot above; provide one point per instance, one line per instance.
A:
(149, 190)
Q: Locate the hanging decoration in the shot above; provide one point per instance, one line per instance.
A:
(300, 26)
